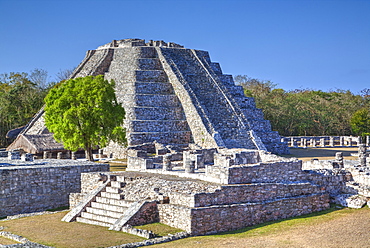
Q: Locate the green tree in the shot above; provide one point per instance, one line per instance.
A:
(84, 113)
(360, 122)
(21, 96)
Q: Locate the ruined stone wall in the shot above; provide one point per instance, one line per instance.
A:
(27, 189)
(209, 220)
(284, 171)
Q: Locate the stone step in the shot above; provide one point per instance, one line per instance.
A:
(111, 189)
(117, 184)
(181, 137)
(151, 76)
(157, 125)
(112, 195)
(109, 207)
(121, 203)
(97, 217)
(155, 113)
(103, 212)
(151, 100)
(92, 222)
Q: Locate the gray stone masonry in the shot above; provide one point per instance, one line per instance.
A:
(239, 188)
(40, 185)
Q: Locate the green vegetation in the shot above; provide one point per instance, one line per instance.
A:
(310, 112)
(21, 96)
(360, 122)
(84, 113)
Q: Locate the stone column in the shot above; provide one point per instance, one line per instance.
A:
(313, 142)
(367, 141)
(339, 158)
(304, 143)
(293, 142)
(59, 155)
(73, 156)
(341, 141)
(322, 142)
(331, 142)
(189, 166)
(167, 162)
(27, 157)
(362, 154)
(349, 141)
(46, 155)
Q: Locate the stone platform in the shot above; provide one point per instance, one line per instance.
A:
(250, 188)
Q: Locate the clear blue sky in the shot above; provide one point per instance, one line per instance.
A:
(323, 45)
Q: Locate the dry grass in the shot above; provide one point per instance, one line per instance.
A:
(160, 229)
(342, 228)
(4, 241)
(322, 153)
(50, 230)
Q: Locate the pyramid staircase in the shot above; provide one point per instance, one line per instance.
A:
(153, 111)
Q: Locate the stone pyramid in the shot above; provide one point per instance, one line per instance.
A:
(175, 95)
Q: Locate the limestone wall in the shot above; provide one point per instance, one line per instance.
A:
(208, 220)
(47, 185)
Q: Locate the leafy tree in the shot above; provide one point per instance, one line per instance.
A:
(305, 111)
(360, 122)
(84, 113)
(21, 96)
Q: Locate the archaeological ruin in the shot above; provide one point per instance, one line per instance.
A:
(200, 156)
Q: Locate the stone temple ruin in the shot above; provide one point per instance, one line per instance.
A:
(200, 153)
(172, 95)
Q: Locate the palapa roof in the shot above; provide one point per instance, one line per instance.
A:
(35, 137)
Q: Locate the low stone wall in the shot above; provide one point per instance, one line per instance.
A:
(221, 218)
(255, 193)
(209, 220)
(30, 187)
(284, 171)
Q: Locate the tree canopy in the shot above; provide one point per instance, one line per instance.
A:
(360, 122)
(305, 111)
(21, 96)
(84, 113)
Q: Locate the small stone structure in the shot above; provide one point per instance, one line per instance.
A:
(43, 184)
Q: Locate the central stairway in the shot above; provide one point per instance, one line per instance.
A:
(107, 208)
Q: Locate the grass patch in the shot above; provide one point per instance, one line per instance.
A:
(4, 241)
(117, 166)
(159, 229)
(50, 230)
(329, 228)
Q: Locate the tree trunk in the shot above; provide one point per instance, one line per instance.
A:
(89, 154)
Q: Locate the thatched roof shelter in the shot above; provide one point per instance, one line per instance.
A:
(35, 137)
